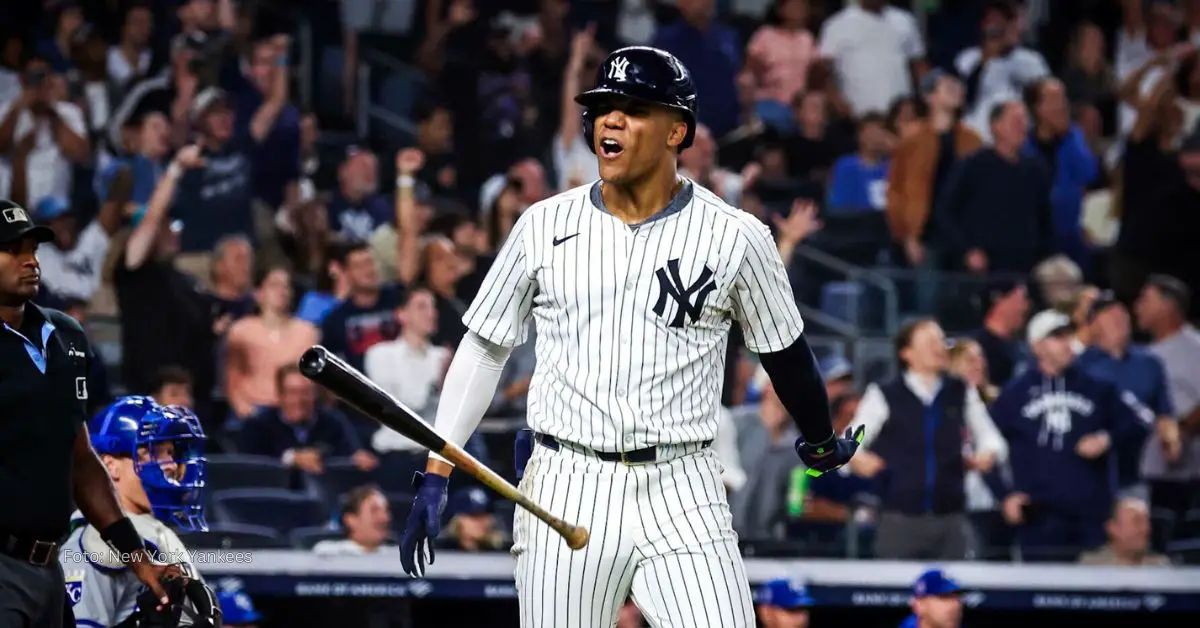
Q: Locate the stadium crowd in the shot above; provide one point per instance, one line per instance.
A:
(213, 220)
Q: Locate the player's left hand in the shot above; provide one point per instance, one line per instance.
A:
(424, 522)
(821, 458)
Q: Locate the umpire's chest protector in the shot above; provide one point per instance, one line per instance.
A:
(43, 384)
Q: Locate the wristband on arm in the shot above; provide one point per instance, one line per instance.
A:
(123, 537)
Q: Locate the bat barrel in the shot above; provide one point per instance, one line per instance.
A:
(313, 362)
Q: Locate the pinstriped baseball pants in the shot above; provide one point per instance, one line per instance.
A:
(661, 532)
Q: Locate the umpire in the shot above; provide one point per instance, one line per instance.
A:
(45, 455)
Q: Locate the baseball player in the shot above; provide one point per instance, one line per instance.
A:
(784, 604)
(632, 282)
(936, 602)
(155, 457)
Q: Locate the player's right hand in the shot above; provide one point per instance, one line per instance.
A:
(424, 522)
(821, 458)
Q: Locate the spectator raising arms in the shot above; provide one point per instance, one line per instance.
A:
(257, 346)
(41, 114)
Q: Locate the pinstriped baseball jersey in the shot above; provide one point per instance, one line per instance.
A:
(632, 321)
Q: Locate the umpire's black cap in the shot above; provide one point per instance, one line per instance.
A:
(15, 223)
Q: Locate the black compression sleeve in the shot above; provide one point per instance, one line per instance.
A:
(798, 383)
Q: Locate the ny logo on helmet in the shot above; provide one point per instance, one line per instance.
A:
(616, 69)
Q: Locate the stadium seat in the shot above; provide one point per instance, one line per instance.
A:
(1162, 527)
(329, 81)
(399, 92)
(234, 536)
(505, 510)
(1185, 552)
(843, 300)
(1189, 528)
(280, 510)
(339, 477)
(306, 538)
(229, 471)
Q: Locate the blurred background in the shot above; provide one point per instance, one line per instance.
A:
(359, 162)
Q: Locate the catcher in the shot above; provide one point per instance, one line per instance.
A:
(155, 456)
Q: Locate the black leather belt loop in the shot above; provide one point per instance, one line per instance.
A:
(28, 549)
(646, 455)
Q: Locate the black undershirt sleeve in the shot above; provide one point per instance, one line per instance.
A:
(798, 383)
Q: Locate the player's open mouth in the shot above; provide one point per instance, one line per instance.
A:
(611, 148)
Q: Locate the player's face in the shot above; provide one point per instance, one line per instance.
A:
(940, 611)
(123, 472)
(20, 273)
(634, 138)
(163, 455)
(788, 618)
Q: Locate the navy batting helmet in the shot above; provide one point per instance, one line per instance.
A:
(642, 73)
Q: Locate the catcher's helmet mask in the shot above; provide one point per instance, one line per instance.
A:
(643, 74)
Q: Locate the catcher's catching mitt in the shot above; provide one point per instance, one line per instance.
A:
(189, 596)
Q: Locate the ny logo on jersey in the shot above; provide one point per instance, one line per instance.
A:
(616, 69)
(688, 299)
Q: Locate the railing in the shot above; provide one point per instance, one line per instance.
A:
(954, 298)
(859, 275)
(368, 111)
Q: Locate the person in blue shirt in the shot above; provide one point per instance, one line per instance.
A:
(261, 80)
(1134, 371)
(858, 182)
(936, 602)
(237, 609)
(217, 198)
(1062, 425)
(713, 54)
(784, 603)
(1062, 145)
(147, 133)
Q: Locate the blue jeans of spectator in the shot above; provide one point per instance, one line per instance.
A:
(1059, 537)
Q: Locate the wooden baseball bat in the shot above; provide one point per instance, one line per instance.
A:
(351, 386)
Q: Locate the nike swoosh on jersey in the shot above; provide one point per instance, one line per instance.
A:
(558, 241)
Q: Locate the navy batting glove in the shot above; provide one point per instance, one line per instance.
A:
(821, 458)
(424, 522)
(522, 450)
